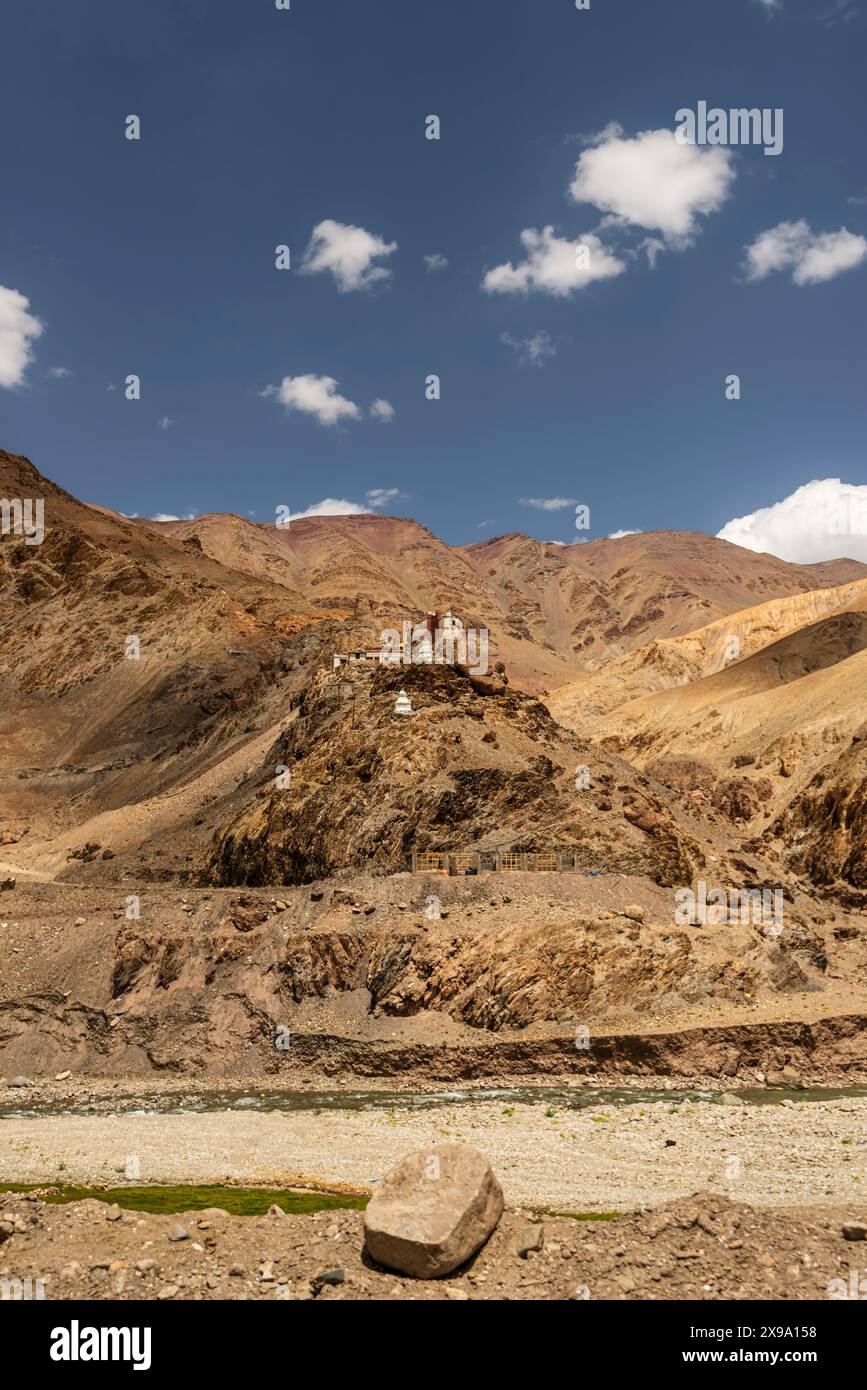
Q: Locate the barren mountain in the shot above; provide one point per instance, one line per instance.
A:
(551, 611)
(585, 703)
(123, 655)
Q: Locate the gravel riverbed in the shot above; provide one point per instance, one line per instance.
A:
(598, 1159)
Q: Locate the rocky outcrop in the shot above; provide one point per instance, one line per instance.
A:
(823, 832)
(471, 768)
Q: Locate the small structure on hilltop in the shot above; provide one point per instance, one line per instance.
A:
(402, 704)
(437, 637)
(371, 656)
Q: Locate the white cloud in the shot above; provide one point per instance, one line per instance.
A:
(533, 350)
(554, 265)
(771, 5)
(18, 329)
(170, 516)
(436, 262)
(313, 395)
(164, 422)
(331, 506)
(548, 504)
(380, 496)
(822, 520)
(653, 181)
(58, 373)
(812, 257)
(382, 410)
(348, 253)
(616, 535)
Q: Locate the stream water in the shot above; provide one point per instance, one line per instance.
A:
(570, 1098)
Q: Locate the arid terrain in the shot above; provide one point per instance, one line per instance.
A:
(207, 837)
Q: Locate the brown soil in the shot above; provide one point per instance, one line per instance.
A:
(703, 1247)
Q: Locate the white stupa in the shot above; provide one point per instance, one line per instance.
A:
(402, 704)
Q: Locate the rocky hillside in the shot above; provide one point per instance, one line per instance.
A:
(822, 834)
(475, 766)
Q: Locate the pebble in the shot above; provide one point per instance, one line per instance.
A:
(855, 1230)
(178, 1233)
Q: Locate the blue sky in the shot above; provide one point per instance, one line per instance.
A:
(157, 257)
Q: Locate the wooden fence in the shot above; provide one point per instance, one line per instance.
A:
(498, 861)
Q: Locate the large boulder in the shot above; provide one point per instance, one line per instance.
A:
(433, 1210)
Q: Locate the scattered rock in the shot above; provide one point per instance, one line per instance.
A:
(855, 1230)
(18, 1081)
(633, 912)
(331, 1276)
(531, 1239)
(178, 1233)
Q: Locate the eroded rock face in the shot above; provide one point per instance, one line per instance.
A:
(824, 829)
(433, 1210)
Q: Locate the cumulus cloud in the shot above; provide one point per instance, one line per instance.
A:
(58, 373)
(18, 330)
(548, 504)
(436, 262)
(170, 516)
(380, 496)
(554, 265)
(653, 181)
(348, 253)
(616, 535)
(532, 350)
(822, 520)
(812, 257)
(382, 410)
(332, 506)
(313, 395)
